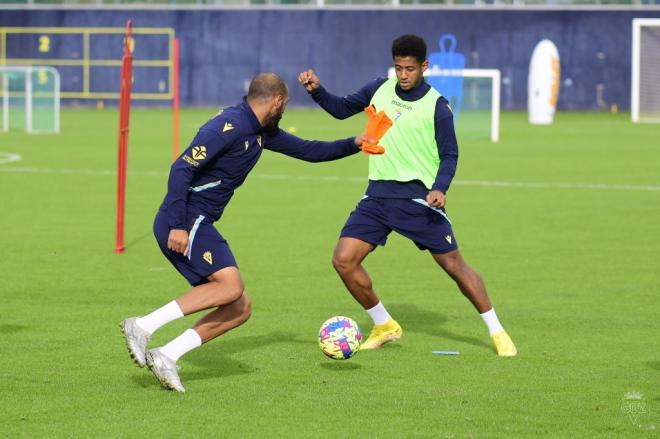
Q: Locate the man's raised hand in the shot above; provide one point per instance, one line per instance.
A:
(309, 80)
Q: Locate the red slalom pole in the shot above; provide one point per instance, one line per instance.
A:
(124, 110)
(175, 97)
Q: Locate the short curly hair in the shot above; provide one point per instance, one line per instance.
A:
(409, 45)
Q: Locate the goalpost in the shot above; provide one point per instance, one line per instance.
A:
(645, 79)
(30, 99)
(480, 101)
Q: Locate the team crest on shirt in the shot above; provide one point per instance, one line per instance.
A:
(199, 152)
(208, 257)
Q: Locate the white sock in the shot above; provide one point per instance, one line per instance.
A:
(379, 314)
(184, 343)
(160, 317)
(491, 320)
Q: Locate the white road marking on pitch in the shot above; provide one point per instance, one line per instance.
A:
(9, 157)
(351, 179)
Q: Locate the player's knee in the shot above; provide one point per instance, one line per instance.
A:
(342, 262)
(246, 310)
(460, 271)
(452, 268)
(452, 263)
(228, 292)
(236, 291)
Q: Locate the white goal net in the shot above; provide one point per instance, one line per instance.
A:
(29, 99)
(478, 101)
(645, 93)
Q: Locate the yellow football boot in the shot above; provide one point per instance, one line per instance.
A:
(381, 334)
(504, 345)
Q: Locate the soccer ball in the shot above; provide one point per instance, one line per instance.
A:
(340, 337)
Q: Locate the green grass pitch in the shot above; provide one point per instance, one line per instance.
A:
(562, 221)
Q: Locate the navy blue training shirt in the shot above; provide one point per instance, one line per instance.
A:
(445, 136)
(222, 154)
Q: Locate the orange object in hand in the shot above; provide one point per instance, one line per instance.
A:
(368, 148)
(377, 126)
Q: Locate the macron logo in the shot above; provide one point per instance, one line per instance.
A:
(448, 238)
(228, 127)
(401, 105)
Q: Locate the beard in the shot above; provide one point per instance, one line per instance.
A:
(273, 124)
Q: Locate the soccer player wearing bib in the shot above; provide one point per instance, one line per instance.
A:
(407, 187)
(201, 183)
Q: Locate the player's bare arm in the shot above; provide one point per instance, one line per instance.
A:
(436, 199)
(178, 241)
(309, 80)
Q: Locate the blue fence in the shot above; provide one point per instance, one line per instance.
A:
(222, 49)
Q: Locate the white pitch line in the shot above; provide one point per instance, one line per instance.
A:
(351, 179)
(310, 177)
(65, 171)
(9, 157)
(539, 185)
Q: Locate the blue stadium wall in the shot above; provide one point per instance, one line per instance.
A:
(222, 49)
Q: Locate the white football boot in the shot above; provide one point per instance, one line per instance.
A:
(136, 340)
(165, 369)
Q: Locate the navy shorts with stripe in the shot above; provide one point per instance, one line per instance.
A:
(374, 218)
(208, 250)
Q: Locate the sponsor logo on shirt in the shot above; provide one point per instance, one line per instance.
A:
(199, 152)
(190, 161)
(401, 105)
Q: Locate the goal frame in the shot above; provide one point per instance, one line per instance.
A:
(495, 77)
(637, 25)
(27, 71)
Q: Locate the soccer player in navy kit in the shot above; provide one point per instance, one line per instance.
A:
(407, 187)
(201, 183)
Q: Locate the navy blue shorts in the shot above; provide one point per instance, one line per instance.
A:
(374, 218)
(208, 251)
